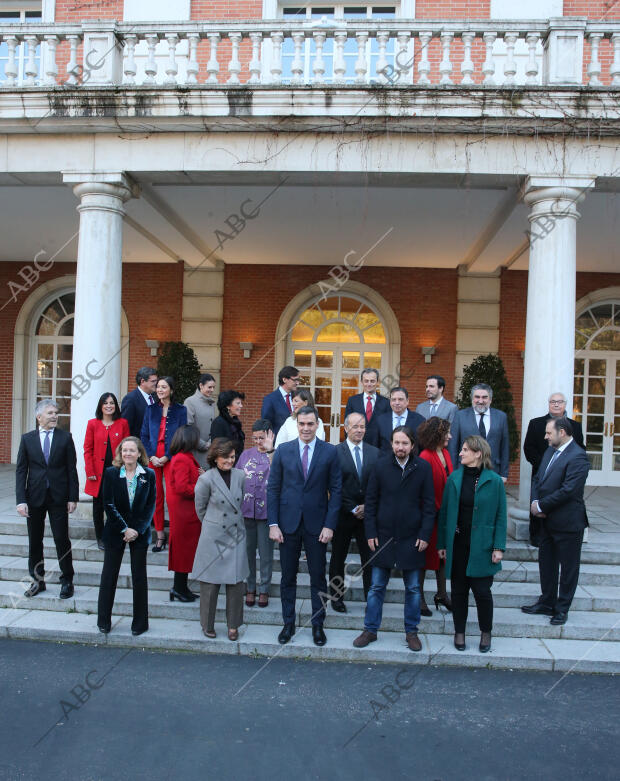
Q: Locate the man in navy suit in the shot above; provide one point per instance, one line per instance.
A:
(557, 498)
(369, 403)
(303, 503)
(134, 404)
(482, 420)
(380, 429)
(277, 405)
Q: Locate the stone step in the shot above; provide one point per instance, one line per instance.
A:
(258, 640)
(505, 593)
(507, 622)
(514, 571)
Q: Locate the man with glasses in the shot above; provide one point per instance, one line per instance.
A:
(535, 446)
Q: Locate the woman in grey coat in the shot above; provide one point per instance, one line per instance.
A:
(201, 411)
(221, 556)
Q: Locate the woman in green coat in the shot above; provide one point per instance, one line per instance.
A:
(471, 536)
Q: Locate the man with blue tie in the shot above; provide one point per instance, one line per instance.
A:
(381, 427)
(303, 503)
(436, 405)
(277, 405)
(46, 482)
(557, 498)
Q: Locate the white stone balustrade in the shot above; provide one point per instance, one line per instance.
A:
(465, 54)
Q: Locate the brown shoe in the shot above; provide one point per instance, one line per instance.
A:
(413, 641)
(364, 639)
(263, 600)
(250, 598)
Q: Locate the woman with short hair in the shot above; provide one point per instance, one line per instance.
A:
(288, 430)
(472, 536)
(201, 412)
(227, 425)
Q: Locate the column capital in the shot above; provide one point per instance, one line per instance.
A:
(106, 190)
(555, 196)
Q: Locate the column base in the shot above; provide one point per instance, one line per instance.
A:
(519, 523)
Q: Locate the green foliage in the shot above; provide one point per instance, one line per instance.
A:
(178, 360)
(490, 369)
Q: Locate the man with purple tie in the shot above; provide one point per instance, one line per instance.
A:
(303, 505)
(47, 483)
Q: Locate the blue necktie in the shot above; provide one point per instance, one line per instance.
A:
(46, 447)
(304, 461)
(358, 461)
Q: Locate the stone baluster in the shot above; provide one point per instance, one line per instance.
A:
(445, 66)
(403, 61)
(255, 66)
(424, 66)
(130, 69)
(594, 68)
(510, 66)
(614, 68)
(276, 57)
(10, 69)
(51, 68)
(30, 71)
(297, 66)
(213, 66)
(172, 67)
(150, 68)
(361, 64)
(318, 67)
(192, 58)
(72, 65)
(467, 66)
(488, 66)
(383, 38)
(340, 68)
(234, 66)
(531, 71)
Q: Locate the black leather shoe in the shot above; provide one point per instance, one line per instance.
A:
(188, 597)
(36, 587)
(100, 545)
(339, 606)
(537, 609)
(559, 619)
(136, 632)
(104, 629)
(288, 630)
(485, 642)
(425, 611)
(318, 635)
(66, 591)
(459, 641)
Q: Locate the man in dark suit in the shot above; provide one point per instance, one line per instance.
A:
(369, 403)
(380, 429)
(483, 420)
(303, 503)
(357, 459)
(535, 446)
(277, 405)
(436, 405)
(47, 482)
(558, 499)
(134, 404)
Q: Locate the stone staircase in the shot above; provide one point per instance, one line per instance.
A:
(590, 641)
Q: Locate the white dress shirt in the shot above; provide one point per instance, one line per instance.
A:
(395, 418)
(311, 446)
(288, 431)
(42, 433)
(487, 419)
(558, 450)
(147, 397)
(352, 447)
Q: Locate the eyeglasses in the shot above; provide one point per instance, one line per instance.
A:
(554, 402)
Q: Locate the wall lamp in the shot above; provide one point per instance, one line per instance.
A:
(428, 352)
(153, 345)
(247, 348)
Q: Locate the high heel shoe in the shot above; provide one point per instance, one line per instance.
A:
(485, 642)
(459, 643)
(159, 545)
(425, 611)
(188, 597)
(445, 601)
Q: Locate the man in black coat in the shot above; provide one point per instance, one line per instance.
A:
(535, 446)
(381, 427)
(357, 459)
(134, 404)
(47, 482)
(557, 498)
(369, 403)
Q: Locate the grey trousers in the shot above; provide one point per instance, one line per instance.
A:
(257, 533)
(234, 605)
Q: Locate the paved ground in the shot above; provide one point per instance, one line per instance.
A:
(178, 716)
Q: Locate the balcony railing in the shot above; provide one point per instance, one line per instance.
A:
(563, 51)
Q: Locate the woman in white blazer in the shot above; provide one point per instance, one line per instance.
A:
(288, 430)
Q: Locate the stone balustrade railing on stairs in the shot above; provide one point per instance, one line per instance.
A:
(276, 52)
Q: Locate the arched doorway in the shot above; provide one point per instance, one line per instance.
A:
(596, 400)
(331, 341)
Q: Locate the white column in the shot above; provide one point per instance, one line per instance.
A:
(551, 295)
(97, 331)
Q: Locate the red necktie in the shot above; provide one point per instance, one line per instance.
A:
(288, 403)
(368, 408)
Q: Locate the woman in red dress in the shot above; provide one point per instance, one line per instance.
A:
(184, 524)
(433, 437)
(104, 433)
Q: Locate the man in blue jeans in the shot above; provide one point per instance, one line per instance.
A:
(399, 514)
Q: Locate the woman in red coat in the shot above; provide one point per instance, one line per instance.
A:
(104, 433)
(433, 437)
(184, 524)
